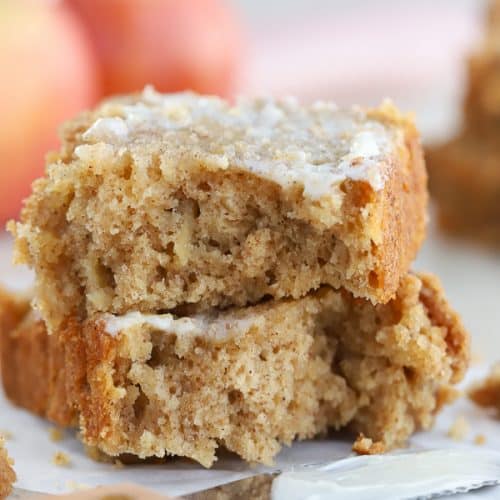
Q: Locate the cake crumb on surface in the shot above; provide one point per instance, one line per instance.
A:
(480, 439)
(98, 456)
(6, 435)
(366, 446)
(7, 474)
(487, 392)
(61, 459)
(56, 434)
(76, 486)
(447, 395)
(460, 428)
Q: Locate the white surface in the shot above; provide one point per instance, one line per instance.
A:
(471, 278)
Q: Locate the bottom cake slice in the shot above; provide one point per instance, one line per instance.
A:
(248, 379)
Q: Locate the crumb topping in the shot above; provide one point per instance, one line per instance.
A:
(317, 146)
(366, 446)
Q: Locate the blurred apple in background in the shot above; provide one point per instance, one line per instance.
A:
(58, 57)
(172, 44)
(48, 74)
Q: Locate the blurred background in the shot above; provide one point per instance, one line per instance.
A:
(59, 57)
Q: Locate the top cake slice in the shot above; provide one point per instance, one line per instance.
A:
(158, 201)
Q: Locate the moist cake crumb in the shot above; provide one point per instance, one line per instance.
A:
(459, 429)
(366, 446)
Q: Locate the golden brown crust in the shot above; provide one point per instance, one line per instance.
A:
(13, 309)
(7, 474)
(326, 360)
(27, 342)
(31, 362)
(404, 203)
(440, 313)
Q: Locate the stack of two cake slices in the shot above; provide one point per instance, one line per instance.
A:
(214, 275)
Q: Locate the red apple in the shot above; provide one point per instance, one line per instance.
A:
(172, 44)
(48, 74)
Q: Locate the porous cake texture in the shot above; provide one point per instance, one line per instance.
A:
(7, 474)
(464, 177)
(248, 379)
(155, 202)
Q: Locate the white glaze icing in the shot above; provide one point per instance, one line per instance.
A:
(316, 147)
(198, 325)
